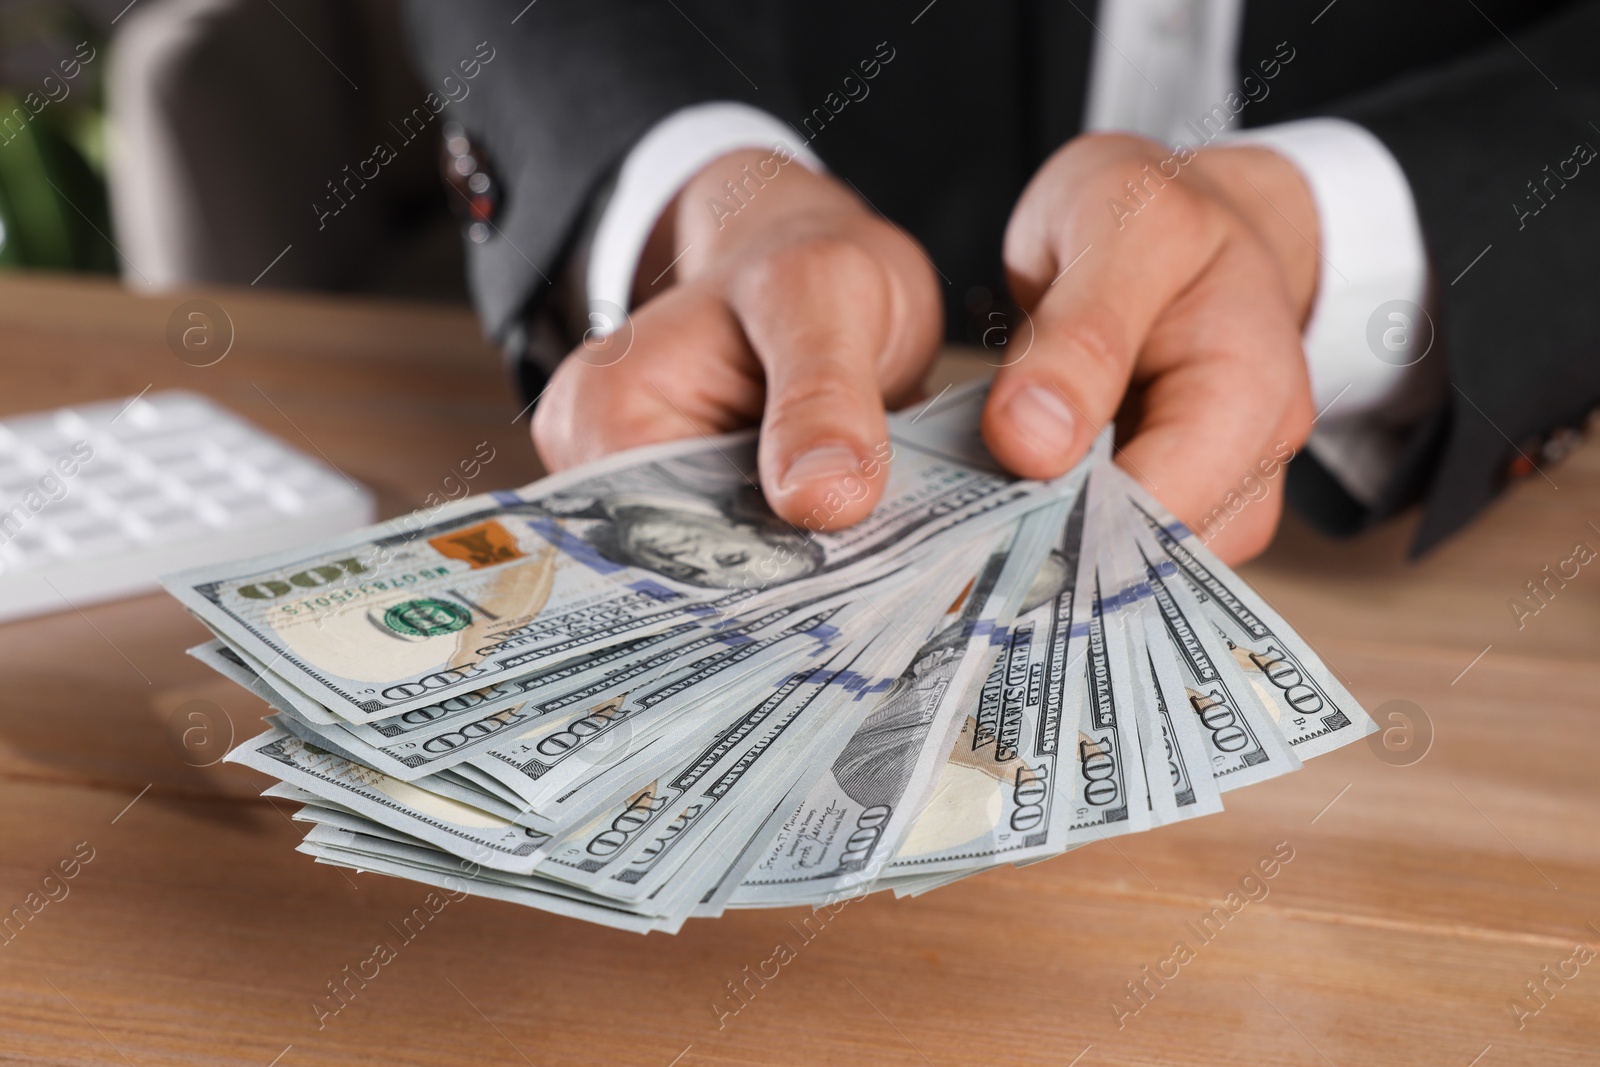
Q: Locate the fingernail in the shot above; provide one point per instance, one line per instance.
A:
(832, 462)
(1042, 417)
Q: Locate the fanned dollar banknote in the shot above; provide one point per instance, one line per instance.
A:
(631, 694)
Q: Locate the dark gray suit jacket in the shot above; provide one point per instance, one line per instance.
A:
(1483, 103)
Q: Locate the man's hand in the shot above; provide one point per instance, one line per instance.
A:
(781, 300)
(1174, 304)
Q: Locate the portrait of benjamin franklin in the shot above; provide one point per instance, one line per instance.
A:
(700, 543)
(724, 540)
(875, 767)
(1052, 580)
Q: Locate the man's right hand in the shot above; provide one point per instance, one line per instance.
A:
(780, 300)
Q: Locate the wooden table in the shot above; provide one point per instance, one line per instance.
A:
(1419, 900)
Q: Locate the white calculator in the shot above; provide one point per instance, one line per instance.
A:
(97, 500)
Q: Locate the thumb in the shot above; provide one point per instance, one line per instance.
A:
(677, 368)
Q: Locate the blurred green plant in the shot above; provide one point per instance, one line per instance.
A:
(53, 208)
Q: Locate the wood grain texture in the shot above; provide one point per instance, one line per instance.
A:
(1418, 901)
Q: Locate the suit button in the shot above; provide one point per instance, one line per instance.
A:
(1560, 443)
(1534, 453)
(473, 190)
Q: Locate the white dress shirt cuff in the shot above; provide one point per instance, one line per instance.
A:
(1364, 347)
(664, 159)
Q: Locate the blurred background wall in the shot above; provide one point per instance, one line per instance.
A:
(185, 142)
(52, 136)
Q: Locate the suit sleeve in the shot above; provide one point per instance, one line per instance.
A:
(1499, 149)
(572, 85)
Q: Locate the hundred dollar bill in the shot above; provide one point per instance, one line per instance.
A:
(1075, 773)
(1110, 791)
(471, 776)
(1177, 772)
(899, 763)
(1177, 768)
(914, 885)
(1181, 750)
(319, 812)
(361, 837)
(995, 794)
(661, 824)
(1243, 742)
(445, 784)
(720, 863)
(448, 873)
(453, 729)
(629, 695)
(478, 716)
(726, 859)
(716, 898)
(458, 721)
(399, 616)
(644, 839)
(464, 831)
(950, 423)
(285, 791)
(236, 667)
(571, 707)
(987, 806)
(844, 828)
(548, 767)
(563, 773)
(1104, 791)
(1315, 713)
